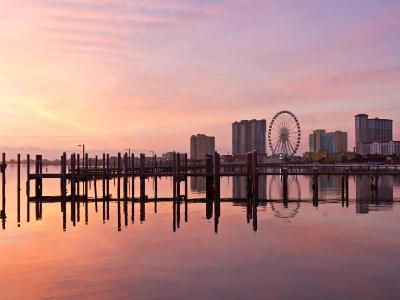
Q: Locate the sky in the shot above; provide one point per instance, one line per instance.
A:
(147, 75)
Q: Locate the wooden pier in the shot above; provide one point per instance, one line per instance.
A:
(77, 174)
(126, 168)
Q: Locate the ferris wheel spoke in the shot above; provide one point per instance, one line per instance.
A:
(274, 138)
(291, 147)
(276, 146)
(293, 126)
(273, 128)
(286, 148)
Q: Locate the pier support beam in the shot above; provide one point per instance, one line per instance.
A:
(3, 189)
(142, 177)
(39, 180)
(209, 177)
(315, 187)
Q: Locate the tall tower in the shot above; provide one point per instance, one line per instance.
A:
(200, 145)
(249, 135)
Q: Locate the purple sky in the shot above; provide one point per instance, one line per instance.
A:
(148, 74)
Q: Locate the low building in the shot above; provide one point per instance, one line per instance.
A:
(325, 156)
(332, 142)
(380, 148)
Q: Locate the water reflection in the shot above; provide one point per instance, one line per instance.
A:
(112, 243)
(283, 198)
(374, 193)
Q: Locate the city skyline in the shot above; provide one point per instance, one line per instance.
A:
(120, 74)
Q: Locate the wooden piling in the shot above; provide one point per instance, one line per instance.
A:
(285, 178)
(125, 174)
(254, 175)
(19, 188)
(3, 189)
(209, 177)
(108, 177)
(73, 188)
(133, 176)
(174, 175)
(39, 180)
(86, 166)
(155, 178)
(186, 178)
(119, 176)
(78, 172)
(249, 172)
(142, 177)
(178, 175)
(63, 185)
(104, 176)
(28, 173)
(217, 181)
(96, 162)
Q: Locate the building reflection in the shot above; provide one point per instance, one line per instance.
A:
(239, 187)
(329, 184)
(374, 193)
(198, 184)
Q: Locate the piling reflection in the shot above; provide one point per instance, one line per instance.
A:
(281, 195)
(374, 193)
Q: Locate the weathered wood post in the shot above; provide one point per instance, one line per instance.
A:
(174, 175)
(178, 175)
(103, 174)
(125, 178)
(178, 213)
(3, 189)
(28, 175)
(119, 176)
(73, 187)
(209, 177)
(217, 189)
(96, 165)
(315, 186)
(248, 176)
(142, 177)
(63, 187)
(86, 166)
(18, 189)
(133, 176)
(285, 177)
(63, 184)
(155, 178)
(343, 188)
(217, 179)
(77, 175)
(108, 176)
(39, 180)
(186, 179)
(254, 175)
(347, 187)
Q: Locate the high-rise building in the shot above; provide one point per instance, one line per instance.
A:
(200, 145)
(332, 142)
(372, 130)
(315, 139)
(248, 135)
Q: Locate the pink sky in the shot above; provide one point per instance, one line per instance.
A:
(148, 74)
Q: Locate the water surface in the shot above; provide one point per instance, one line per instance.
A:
(282, 250)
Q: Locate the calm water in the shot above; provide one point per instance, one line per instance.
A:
(296, 252)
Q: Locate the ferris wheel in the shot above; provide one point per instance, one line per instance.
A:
(284, 134)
